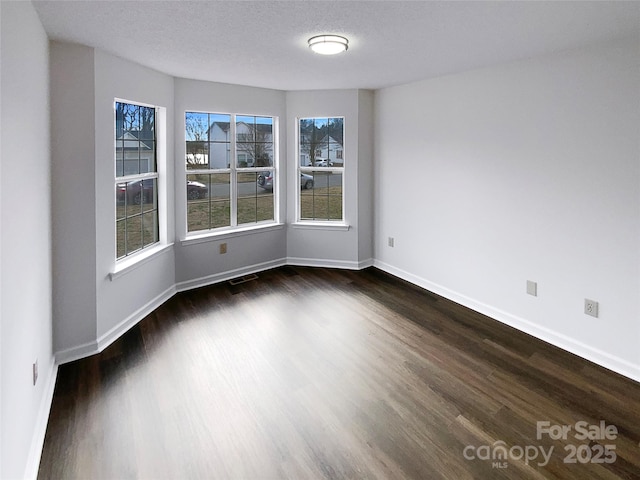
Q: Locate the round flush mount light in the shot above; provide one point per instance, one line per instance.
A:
(328, 44)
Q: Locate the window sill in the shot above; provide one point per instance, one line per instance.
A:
(137, 260)
(339, 226)
(230, 233)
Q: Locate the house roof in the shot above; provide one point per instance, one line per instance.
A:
(132, 141)
(261, 127)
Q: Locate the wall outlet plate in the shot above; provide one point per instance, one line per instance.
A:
(390, 241)
(35, 372)
(532, 288)
(591, 307)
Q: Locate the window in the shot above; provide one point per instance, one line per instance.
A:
(136, 179)
(230, 170)
(321, 169)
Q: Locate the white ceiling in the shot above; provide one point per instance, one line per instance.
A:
(263, 43)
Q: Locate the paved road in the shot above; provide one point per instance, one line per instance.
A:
(250, 188)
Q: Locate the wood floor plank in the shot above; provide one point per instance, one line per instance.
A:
(308, 373)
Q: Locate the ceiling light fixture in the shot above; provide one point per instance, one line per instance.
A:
(328, 44)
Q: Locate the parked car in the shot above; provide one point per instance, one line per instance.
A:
(265, 181)
(141, 191)
(138, 191)
(323, 162)
(196, 190)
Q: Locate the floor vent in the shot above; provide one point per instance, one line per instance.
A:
(246, 278)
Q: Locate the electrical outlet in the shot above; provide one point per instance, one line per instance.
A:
(591, 307)
(390, 241)
(532, 288)
(35, 372)
(223, 248)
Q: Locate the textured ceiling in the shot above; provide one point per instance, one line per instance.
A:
(263, 43)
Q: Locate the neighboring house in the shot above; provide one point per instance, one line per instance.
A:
(133, 155)
(328, 148)
(248, 150)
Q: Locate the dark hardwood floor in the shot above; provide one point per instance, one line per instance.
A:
(315, 373)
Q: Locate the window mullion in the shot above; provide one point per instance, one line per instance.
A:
(234, 174)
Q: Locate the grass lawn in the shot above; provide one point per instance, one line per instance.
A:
(140, 228)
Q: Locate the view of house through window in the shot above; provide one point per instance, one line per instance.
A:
(136, 181)
(321, 168)
(230, 170)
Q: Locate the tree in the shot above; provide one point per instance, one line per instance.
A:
(336, 129)
(135, 119)
(257, 144)
(197, 128)
(311, 136)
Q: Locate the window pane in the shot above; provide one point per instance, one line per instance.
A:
(219, 127)
(247, 197)
(208, 201)
(133, 197)
(197, 155)
(321, 124)
(313, 141)
(196, 135)
(127, 118)
(255, 197)
(254, 141)
(150, 228)
(245, 154)
(196, 127)
(121, 193)
(119, 156)
(219, 155)
(264, 154)
(136, 200)
(149, 194)
(147, 123)
(320, 145)
(265, 206)
(336, 130)
(264, 125)
(245, 129)
(247, 210)
(323, 201)
(133, 235)
(121, 238)
(119, 119)
(147, 156)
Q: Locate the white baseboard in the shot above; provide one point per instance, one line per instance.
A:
(588, 352)
(76, 353)
(362, 264)
(323, 262)
(229, 275)
(116, 332)
(604, 359)
(40, 430)
(91, 348)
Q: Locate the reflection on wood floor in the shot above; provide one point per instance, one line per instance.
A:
(316, 373)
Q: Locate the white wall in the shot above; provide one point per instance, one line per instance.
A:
(317, 245)
(123, 301)
(73, 195)
(524, 171)
(365, 177)
(25, 254)
(201, 263)
(91, 309)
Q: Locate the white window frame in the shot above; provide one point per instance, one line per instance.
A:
(139, 256)
(336, 224)
(196, 236)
